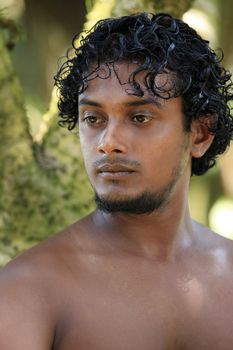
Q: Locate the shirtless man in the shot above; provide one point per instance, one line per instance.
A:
(138, 273)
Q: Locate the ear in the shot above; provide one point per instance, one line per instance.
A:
(201, 137)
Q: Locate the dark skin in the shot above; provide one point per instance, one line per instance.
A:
(126, 281)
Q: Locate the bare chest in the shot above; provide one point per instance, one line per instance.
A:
(114, 310)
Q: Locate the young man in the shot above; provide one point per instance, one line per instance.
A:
(150, 100)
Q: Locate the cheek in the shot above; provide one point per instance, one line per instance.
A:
(85, 149)
(86, 138)
(161, 158)
(88, 145)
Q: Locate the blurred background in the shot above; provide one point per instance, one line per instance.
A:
(43, 185)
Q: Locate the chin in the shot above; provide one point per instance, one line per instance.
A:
(144, 203)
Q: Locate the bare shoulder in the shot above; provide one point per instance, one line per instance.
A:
(26, 318)
(211, 237)
(215, 246)
(31, 288)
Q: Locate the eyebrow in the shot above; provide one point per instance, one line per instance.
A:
(140, 102)
(85, 101)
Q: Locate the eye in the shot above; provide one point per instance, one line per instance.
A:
(93, 120)
(141, 119)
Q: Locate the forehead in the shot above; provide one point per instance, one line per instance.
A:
(121, 77)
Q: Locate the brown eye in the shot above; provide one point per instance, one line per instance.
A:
(93, 120)
(141, 119)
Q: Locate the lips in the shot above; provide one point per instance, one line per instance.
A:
(115, 171)
(114, 168)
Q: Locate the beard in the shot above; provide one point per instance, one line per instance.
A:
(145, 203)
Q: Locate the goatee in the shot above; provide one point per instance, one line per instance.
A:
(145, 203)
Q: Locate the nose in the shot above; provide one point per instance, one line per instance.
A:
(113, 140)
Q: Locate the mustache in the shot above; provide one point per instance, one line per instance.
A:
(116, 161)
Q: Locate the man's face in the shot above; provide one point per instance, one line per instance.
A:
(135, 149)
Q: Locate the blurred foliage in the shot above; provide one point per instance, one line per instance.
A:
(43, 185)
(99, 9)
(9, 30)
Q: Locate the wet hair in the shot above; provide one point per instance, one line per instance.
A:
(157, 44)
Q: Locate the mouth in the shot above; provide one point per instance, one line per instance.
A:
(114, 171)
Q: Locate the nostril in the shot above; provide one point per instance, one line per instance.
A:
(112, 144)
(108, 151)
(108, 148)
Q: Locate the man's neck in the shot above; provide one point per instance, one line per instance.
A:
(161, 234)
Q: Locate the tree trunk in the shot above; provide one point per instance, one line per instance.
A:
(15, 147)
(39, 194)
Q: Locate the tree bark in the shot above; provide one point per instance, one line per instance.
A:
(39, 193)
(15, 146)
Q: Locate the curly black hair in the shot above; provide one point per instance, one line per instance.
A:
(157, 43)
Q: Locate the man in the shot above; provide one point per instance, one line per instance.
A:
(150, 100)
